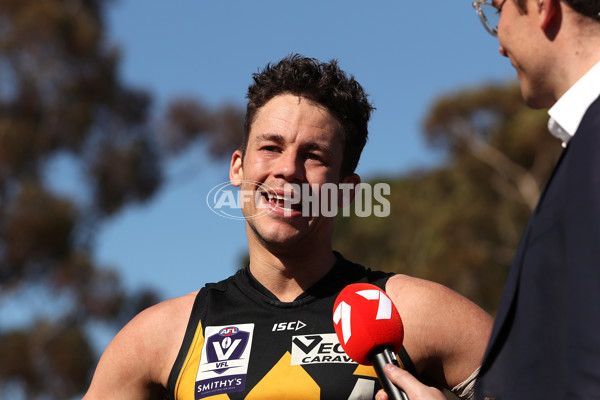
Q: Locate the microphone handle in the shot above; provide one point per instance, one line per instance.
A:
(380, 357)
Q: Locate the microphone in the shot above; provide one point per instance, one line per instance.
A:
(370, 330)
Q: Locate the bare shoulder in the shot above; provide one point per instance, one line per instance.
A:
(157, 332)
(445, 333)
(139, 358)
(428, 298)
(164, 318)
(161, 327)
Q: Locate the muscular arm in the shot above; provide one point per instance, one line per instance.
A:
(137, 362)
(445, 334)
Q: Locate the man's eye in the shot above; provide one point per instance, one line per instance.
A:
(315, 157)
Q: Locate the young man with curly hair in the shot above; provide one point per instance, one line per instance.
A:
(267, 331)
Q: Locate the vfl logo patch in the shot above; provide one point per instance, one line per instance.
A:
(322, 348)
(224, 360)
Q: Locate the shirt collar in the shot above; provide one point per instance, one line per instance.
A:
(567, 112)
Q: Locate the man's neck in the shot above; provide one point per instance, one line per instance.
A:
(576, 72)
(578, 52)
(288, 274)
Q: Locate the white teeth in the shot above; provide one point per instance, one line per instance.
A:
(277, 197)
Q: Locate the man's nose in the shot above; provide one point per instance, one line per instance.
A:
(290, 167)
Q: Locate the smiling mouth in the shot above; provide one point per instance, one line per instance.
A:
(287, 204)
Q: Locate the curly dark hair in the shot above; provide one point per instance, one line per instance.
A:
(323, 83)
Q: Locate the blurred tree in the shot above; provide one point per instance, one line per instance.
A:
(61, 95)
(460, 224)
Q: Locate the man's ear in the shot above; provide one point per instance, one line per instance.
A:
(236, 172)
(550, 13)
(347, 190)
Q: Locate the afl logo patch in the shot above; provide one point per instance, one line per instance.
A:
(230, 330)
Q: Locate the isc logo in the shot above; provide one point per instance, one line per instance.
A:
(288, 326)
(230, 330)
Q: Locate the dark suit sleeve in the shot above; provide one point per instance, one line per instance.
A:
(582, 240)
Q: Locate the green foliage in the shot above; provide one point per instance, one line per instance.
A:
(61, 95)
(459, 224)
(43, 359)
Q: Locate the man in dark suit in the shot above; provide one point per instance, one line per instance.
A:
(546, 339)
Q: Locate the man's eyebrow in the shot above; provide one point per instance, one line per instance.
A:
(277, 138)
(269, 137)
(318, 147)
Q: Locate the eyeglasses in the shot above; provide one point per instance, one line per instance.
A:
(488, 14)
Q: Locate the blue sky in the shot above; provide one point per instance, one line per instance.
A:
(405, 54)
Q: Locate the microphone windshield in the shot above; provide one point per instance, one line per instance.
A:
(365, 319)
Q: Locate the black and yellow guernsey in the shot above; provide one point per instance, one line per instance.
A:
(243, 343)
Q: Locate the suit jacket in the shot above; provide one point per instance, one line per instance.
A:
(545, 343)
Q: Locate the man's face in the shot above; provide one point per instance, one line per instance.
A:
(523, 41)
(292, 141)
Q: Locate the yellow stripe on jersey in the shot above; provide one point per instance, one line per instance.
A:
(285, 381)
(186, 382)
(364, 370)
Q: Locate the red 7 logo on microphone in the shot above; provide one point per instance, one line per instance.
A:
(365, 319)
(384, 309)
(343, 310)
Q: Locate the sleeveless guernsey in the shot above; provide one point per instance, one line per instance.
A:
(243, 343)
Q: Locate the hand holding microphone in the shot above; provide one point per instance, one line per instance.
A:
(370, 330)
(410, 384)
